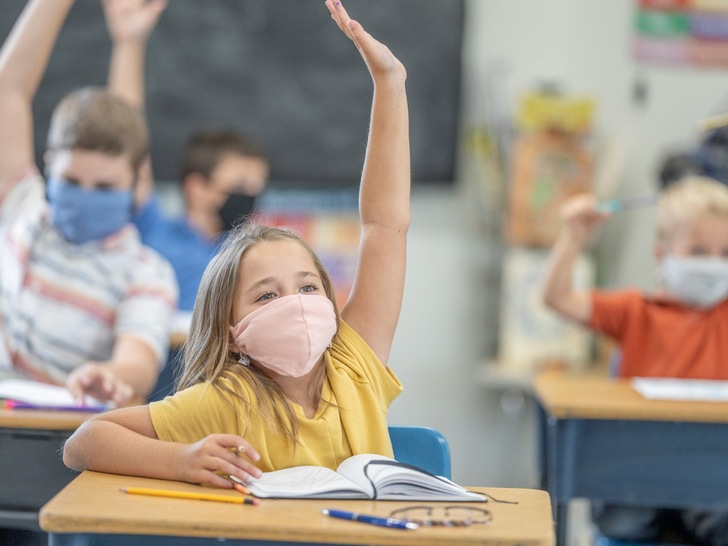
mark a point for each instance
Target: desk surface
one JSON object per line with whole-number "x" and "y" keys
{"x": 42, "y": 420}
{"x": 93, "y": 503}
{"x": 589, "y": 397}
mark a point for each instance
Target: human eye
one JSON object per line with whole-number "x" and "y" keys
{"x": 698, "y": 250}
{"x": 309, "y": 288}
{"x": 267, "y": 296}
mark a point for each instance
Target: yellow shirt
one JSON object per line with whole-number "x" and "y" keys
{"x": 359, "y": 386}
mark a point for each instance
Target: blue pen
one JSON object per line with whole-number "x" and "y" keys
{"x": 372, "y": 520}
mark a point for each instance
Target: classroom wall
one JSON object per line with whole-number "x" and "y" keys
{"x": 447, "y": 321}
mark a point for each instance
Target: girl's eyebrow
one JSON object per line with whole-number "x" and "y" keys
{"x": 270, "y": 280}
{"x": 262, "y": 282}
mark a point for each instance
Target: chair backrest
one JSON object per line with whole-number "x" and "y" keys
{"x": 424, "y": 447}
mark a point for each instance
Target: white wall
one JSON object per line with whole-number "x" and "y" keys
{"x": 448, "y": 309}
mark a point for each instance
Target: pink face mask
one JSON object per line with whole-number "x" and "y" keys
{"x": 287, "y": 335}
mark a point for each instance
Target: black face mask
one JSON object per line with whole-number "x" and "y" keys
{"x": 236, "y": 207}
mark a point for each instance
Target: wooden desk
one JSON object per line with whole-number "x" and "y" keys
{"x": 93, "y": 503}
{"x": 32, "y": 470}
{"x": 601, "y": 440}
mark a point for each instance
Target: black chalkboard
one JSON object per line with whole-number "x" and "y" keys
{"x": 279, "y": 70}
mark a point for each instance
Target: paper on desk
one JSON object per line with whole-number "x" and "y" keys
{"x": 664, "y": 388}
{"x": 42, "y": 394}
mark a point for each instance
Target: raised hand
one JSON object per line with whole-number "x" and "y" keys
{"x": 378, "y": 58}
{"x": 228, "y": 454}
{"x": 582, "y": 217}
{"x": 132, "y": 20}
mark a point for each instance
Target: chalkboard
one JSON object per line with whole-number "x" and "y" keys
{"x": 280, "y": 70}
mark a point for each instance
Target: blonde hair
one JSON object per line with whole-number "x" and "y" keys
{"x": 687, "y": 201}
{"x": 93, "y": 119}
{"x": 209, "y": 354}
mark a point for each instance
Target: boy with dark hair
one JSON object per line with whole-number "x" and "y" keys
{"x": 222, "y": 170}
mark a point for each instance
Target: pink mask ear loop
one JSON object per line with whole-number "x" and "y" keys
{"x": 242, "y": 358}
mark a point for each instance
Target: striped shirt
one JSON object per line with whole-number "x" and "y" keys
{"x": 62, "y": 304}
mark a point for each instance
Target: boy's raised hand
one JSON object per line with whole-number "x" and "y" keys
{"x": 582, "y": 217}
{"x": 132, "y": 20}
{"x": 379, "y": 59}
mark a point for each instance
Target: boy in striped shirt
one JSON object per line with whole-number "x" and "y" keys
{"x": 82, "y": 302}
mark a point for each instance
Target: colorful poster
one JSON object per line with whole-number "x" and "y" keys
{"x": 691, "y": 32}
{"x": 328, "y": 223}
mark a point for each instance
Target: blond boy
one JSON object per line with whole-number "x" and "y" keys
{"x": 679, "y": 331}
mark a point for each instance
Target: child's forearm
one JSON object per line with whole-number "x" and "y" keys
{"x": 28, "y": 48}
{"x": 126, "y": 71}
{"x": 558, "y": 289}
{"x": 23, "y": 60}
{"x": 106, "y": 446}
{"x": 385, "y": 188}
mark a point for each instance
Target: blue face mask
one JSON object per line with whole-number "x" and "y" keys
{"x": 87, "y": 215}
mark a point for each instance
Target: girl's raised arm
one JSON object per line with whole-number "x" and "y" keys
{"x": 376, "y": 297}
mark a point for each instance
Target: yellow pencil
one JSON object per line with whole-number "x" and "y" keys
{"x": 187, "y": 495}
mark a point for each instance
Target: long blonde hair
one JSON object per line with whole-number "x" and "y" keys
{"x": 209, "y": 354}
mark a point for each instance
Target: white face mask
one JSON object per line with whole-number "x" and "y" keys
{"x": 702, "y": 282}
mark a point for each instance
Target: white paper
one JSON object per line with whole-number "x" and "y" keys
{"x": 664, "y": 388}
{"x": 34, "y": 392}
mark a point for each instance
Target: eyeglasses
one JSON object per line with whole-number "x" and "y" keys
{"x": 444, "y": 516}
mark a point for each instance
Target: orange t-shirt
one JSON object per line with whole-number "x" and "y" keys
{"x": 663, "y": 338}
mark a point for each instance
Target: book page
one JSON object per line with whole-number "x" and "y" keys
{"x": 305, "y": 482}
{"x": 398, "y": 481}
{"x": 353, "y": 469}
{"x": 663, "y": 388}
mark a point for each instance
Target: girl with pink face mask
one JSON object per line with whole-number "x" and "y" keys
{"x": 274, "y": 375}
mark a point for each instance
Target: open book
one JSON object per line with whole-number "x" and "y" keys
{"x": 360, "y": 477}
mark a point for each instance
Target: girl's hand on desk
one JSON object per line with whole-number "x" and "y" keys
{"x": 219, "y": 453}
{"x": 95, "y": 379}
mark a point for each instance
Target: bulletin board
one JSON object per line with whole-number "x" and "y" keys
{"x": 682, "y": 32}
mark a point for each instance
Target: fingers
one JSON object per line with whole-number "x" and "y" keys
{"x": 340, "y": 15}
{"x": 93, "y": 379}
{"x": 73, "y": 384}
{"x": 226, "y": 454}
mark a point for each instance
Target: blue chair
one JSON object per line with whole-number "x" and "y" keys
{"x": 424, "y": 447}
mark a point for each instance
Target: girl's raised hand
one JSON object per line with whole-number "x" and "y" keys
{"x": 228, "y": 454}
{"x": 132, "y": 20}
{"x": 379, "y": 59}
